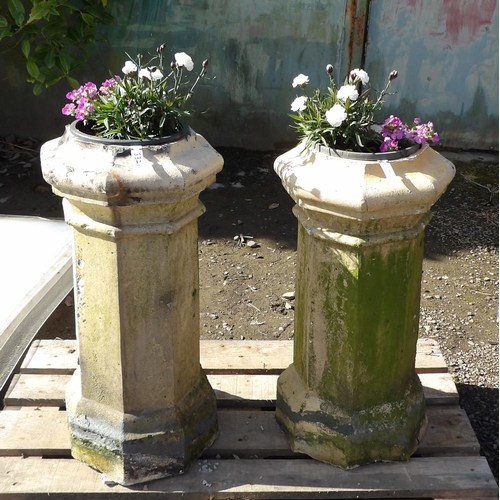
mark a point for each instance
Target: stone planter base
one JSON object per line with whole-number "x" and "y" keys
{"x": 130, "y": 448}
{"x": 348, "y": 438}
{"x": 139, "y": 406}
{"x": 351, "y": 396}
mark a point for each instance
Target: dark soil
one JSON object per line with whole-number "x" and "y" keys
{"x": 247, "y": 248}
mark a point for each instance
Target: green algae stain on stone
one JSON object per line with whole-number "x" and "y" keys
{"x": 369, "y": 311}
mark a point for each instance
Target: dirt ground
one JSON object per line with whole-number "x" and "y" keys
{"x": 247, "y": 249}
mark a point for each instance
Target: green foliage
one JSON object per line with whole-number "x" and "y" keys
{"x": 52, "y": 36}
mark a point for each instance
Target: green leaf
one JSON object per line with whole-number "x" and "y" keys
{"x": 41, "y": 9}
{"x": 63, "y": 62}
{"x": 16, "y": 10}
{"x": 89, "y": 20}
{"x": 50, "y": 59}
{"x": 52, "y": 80}
{"x": 25, "y": 47}
{"x": 3, "y": 22}
{"x": 73, "y": 82}
{"x": 30, "y": 29}
{"x": 37, "y": 88}
{"x": 75, "y": 65}
{"x": 32, "y": 68}
{"x": 68, "y": 6}
{"x": 42, "y": 48}
{"x": 4, "y": 32}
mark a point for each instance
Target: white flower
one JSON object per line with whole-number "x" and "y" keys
{"x": 361, "y": 74}
{"x": 299, "y": 104}
{"x": 152, "y": 74}
{"x": 129, "y": 67}
{"x": 347, "y": 92}
{"x": 156, "y": 75}
{"x": 184, "y": 61}
{"x": 300, "y": 80}
{"x": 336, "y": 115}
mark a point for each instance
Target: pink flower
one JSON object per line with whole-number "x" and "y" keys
{"x": 389, "y": 145}
{"x": 393, "y": 128}
{"x": 108, "y": 85}
{"x": 84, "y": 109}
{"x": 69, "y": 109}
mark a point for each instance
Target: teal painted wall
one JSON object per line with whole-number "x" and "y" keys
{"x": 255, "y": 48}
{"x": 446, "y": 52}
{"x": 447, "y": 60}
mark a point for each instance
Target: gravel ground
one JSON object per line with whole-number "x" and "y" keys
{"x": 459, "y": 305}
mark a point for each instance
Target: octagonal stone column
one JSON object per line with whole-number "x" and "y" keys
{"x": 139, "y": 405}
{"x": 351, "y": 395}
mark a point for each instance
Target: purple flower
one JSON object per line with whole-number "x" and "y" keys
{"x": 389, "y": 144}
{"x": 109, "y": 85}
{"x": 69, "y": 109}
{"x": 393, "y": 128}
{"x": 74, "y": 94}
{"x": 83, "y": 109}
{"x": 89, "y": 90}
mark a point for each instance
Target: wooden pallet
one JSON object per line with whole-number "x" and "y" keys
{"x": 251, "y": 458}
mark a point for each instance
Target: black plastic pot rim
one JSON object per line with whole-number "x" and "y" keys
{"x": 354, "y": 155}
{"x": 75, "y": 130}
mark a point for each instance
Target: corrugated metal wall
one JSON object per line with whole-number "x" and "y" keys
{"x": 446, "y": 52}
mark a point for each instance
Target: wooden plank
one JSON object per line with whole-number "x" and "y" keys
{"x": 448, "y": 432}
{"x": 429, "y": 358}
{"x": 246, "y": 357}
{"x": 439, "y": 389}
{"x": 272, "y": 357}
{"x": 231, "y": 390}
{"x": 244, "y": 433}
{"x": 34, "y": 432}
{"x": 225, "y": 357}
{"x": 255, "y": 391}
{"x": 256, "y": 479}
{"x": 260, "y": 390}
{"x": 51, "y": 357}
{"x": 37, "y": 390}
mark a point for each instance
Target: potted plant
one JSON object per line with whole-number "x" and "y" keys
{"x": 145, "y": 104}
{"x": 130, "y": 171}
{"x": 343, "y": 119}
{"x": 363, "y": 191}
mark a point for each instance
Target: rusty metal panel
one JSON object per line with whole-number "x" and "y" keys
{"x": 355, "y": 25}
{"x": 446, "y": 52}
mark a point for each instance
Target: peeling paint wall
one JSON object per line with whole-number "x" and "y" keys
{"x": 446, "y": 52}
